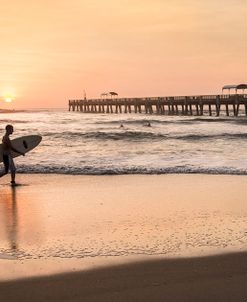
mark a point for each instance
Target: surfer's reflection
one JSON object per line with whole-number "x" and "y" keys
{"x": 11, "y": 216}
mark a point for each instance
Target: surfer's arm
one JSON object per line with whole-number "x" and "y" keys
{"x": 8, "y": 142}
{"x": 16, "y": 151}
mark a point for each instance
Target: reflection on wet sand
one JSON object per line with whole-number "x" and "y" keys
{"x": 10, "y": 219}
{"x": 20, "y": 229}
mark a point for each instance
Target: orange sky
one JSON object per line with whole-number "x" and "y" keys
{"x": 52, "y": 50}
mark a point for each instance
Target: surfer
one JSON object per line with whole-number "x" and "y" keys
{"x": 8, "y": 161}
{"x": 148, "y": 124}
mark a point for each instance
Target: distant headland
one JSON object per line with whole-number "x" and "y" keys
{"x": 10, "y": 110}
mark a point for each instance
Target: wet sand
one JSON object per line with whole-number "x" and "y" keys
{"x": 123, "y": 238}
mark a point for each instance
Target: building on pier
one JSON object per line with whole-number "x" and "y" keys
{"x": 234, "y": 87}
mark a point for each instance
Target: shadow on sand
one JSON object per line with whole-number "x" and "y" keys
{"x": 211, "y": 278}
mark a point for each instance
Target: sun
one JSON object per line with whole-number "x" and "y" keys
{"x": 8, "y": 99}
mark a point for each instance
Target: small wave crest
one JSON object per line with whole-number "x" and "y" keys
{"x": 94, "y": 170}
{"x": 140, "y": 135}
{"x": 174, "y": 120}
{"x": 13, "y": 121}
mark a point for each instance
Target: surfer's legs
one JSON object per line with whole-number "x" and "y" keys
{"x": 9, "y": 165}
{"x": 6, "y": 165}
{"x": 12, "y": 169}
{"x": 13, "y": 177}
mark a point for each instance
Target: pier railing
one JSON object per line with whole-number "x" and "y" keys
{"x": 172, "y": 105}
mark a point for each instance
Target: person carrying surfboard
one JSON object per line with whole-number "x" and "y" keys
{"x": 8, "y": 161}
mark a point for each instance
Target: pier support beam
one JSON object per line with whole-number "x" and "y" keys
{"x": 210, "y": 109}
{"x": 227, "y": 110}
{"x": 191, "y": 109}
{"x": 197, "y": 109}
{"x": 217, "y": 110}
{"x": 217, "y": 105}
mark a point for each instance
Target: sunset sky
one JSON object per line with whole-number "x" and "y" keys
{"x": 52, "y": 50}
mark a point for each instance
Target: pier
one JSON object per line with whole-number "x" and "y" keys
{"x": 212, "y": 105}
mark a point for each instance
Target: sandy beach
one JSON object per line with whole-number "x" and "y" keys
{"x": 123, "y": 238}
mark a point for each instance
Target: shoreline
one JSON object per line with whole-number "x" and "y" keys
{"x": 30, "y": 174}
{"x": 151, "y": 173}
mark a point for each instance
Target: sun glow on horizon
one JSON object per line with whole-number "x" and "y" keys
{"x": 8, "y": 96}
{"x": 8, "y": 100}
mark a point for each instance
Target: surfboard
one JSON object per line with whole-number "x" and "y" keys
{"x": 23, "y": 144}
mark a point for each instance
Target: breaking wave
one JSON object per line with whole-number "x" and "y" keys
{"x": 94, "y": 170}
{"x": 141, "y": 135}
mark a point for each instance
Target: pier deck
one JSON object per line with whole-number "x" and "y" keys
{"x": 229, "y": 105}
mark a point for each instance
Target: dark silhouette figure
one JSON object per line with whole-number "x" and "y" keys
{"x": 8, "y": 161}
{"x": 148, "y": 124}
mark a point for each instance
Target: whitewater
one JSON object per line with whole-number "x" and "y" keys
{"x": 98, "y": 144}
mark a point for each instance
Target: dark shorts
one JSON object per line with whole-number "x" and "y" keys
{"x": 9, "y": 164}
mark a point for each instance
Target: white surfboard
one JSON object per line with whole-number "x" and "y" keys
{"x": 23, "y": 144}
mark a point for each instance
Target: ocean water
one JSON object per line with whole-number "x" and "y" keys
{"x": 95, "y": 144}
